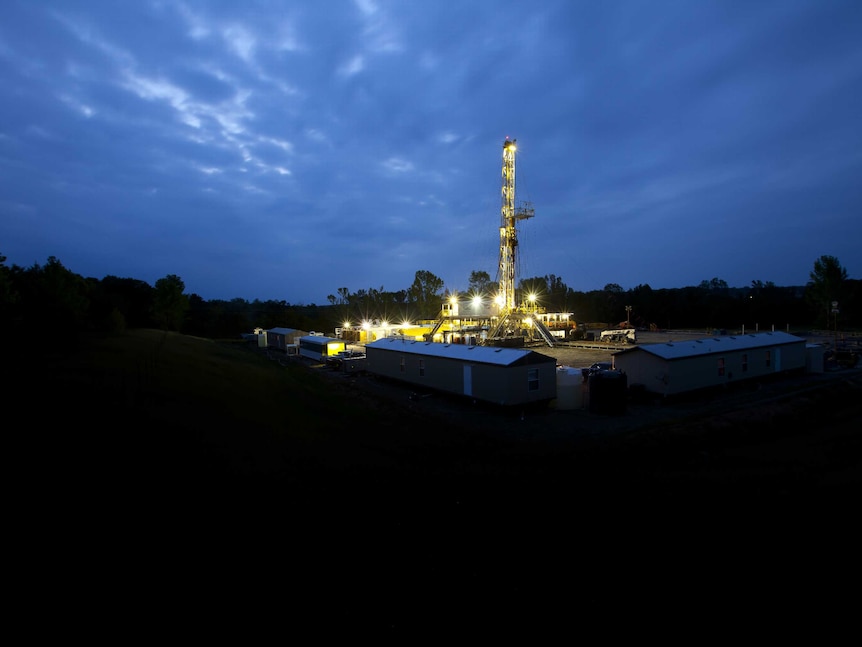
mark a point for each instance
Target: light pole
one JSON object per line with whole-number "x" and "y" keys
{"x": 628, "y": 310}
{"x": 835, "y": 324}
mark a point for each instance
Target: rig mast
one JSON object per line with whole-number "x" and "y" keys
{"x": 511, "y": 323}
{"x": 508, "y": 231}
{"x": 512, "y": 318}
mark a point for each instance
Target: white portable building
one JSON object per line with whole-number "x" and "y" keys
{"x": 505, "y": 376}
{"x": 676, "y": 367}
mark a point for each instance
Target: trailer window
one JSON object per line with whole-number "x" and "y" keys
{"x": 720, "y": 367}
{"x": 745, "y": 362}
{"x": 768, "y": 359}
{"x": 403, "y": 364}
{"x": 421, "y": 368}
{"x": 533, "y": 379}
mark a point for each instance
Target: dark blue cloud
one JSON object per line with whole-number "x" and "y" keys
{"x": 284, "y": 150}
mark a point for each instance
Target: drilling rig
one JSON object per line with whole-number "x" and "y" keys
{"x": 511, "y": 318}
{"x": 508, "y": 323}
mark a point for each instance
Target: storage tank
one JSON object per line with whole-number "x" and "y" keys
{"x": 815, "y": 358}
{"x": 570, "y": 388}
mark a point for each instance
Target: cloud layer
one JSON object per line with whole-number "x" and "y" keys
{"x": 281, "y": 150}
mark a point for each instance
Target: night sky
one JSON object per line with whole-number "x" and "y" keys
{"x": 284, "y": 150}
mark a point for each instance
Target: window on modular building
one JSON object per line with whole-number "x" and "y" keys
{"x": 533, "y": 379}
{"x": 720, "y": 367}
{"x": 745, "y": 362}
{"x": 421, "y": 368}
{"x": 768, "y": 358}
{"x": 403, "y": 364}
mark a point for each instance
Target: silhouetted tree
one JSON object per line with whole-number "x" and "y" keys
{"x": 826, "y": 284}
{"x": 713, "y": 284}
{"x": 613, "y": 304}
{"x": 170, "y": 305}
{"x": 132, "y": 299}
{"x": 426, "y": 294}
{"x": 536, "y": 286}
{"x": 556, "y": 300}
{"x": 480, "y": 283}
{"x": 8, "y": 297}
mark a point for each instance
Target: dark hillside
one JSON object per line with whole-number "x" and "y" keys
{"x": 208, "y": 416}
{"x": 184, "y": 451}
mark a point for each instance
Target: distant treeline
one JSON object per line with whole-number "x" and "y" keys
{"x": 53, "y": 305}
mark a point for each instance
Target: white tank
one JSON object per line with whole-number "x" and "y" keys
{"x": 570, "y": 388}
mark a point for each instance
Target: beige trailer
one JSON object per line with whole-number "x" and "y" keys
{"x": 504, "y": 376}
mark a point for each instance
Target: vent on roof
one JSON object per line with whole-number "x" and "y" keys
{"x": 699, "y": 341}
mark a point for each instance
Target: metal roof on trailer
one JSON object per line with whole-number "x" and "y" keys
{"x": 282, "y": 331}
{"x": 711, "y": 345}
{"x": 321, "y": 339}
{"x": 482, "y": 354}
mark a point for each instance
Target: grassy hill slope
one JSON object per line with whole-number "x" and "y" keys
{"x": 185, "y": 464}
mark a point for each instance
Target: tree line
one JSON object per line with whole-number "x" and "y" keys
{"x": 52, "y": 303}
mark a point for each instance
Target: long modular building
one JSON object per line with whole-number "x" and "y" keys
{"x": 318, "y": 347}
{"x": 504, "y": 376}
{"x": 280, "y": 338}
{"x": 676, "y": 367}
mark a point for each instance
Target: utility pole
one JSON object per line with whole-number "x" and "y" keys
{"x": 628, "y": 311}
{"x": 835, "y": 314}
